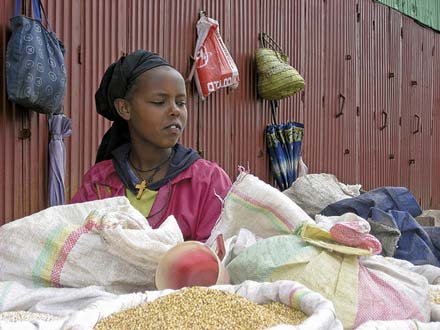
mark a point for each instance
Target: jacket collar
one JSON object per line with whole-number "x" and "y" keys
{"x": 182, "y": 159}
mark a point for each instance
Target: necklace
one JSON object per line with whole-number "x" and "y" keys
{"x": 153, "y": 168}
{"x": 146, "y": 182}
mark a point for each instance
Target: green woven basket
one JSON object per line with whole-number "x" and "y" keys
{"x": 276, "y": 78}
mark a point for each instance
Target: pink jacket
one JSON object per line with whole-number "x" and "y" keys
{"x": 191, "y": 196}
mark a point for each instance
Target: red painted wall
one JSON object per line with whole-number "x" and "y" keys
{"x": 384, "y": 65}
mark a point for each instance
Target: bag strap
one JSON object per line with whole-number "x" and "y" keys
{"x": 17, "y": 7}
{"x": 266, "y": 41}
{"x": 35, "y": 8}
{"x": 273, "y": 108}
{"x": 40, "y": 5}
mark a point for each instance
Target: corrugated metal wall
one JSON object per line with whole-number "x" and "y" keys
{"x": 371, "y": 106}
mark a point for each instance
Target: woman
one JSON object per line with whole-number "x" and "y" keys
{"x": 140, "y": 156}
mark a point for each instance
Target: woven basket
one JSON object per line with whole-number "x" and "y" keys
{"x": 277, "y": 79}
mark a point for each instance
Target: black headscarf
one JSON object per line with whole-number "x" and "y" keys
{"x": 117, "y": 80}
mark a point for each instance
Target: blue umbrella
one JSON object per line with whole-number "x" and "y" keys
{"x": 284, "y": 147}
{"x": 59, "y": 127}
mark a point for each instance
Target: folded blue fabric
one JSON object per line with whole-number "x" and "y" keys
{"x": 384, "y": 198}
{"x": 414, "y": 244}
{"x": 395, "y": 207}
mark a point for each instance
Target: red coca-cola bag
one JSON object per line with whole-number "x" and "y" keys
{"x": 214, "y": 66}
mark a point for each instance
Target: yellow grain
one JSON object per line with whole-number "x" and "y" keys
{"x": 202, "y": 308}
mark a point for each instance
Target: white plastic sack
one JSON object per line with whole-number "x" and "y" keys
{"x": 320, "y": 311}
{"x": 254, "y": 205}
{"x": 55, "y": 301}
{"x": 399, "y": 325}
{"x": 414, "y": 286}
{"x": 32, "y": 325}
{"x": 328, "y": 222}
{"x": 59, "y": 302}
{"x": 302, "y": 168}
{"x": 430, "y": 272}
{"x": 106, "y": 243}
{"x": 314, "y": 192}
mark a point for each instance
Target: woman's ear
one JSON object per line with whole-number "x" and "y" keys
{"x": 123, "y": 108}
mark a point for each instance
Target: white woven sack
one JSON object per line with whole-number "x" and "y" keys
{"x": 314, "y": 192}
{"x": 414, "y": 286}
{"x": 15, "y": 296}
{"x": 320, "y": 311}
{"x": 254, "y": 205}
{"x": 399, "y": 325}
{"x": 32, "y": 325}
{"x": 58, "y": 302}
{"x": 106, "y": 243}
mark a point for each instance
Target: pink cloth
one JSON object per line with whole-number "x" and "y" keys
{"x": 190, "y": 197}
{"x": 351, "y": 234}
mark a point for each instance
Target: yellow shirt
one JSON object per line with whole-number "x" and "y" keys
{"x": 144, "y": 204}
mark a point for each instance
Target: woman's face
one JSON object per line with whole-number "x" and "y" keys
{"x": 157, "y": 108}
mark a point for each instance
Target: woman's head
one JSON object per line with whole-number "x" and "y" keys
{"x": 154, "y": 107}
{"x": 137, "y": 83}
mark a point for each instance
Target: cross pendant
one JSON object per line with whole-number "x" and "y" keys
{"x": 141, "y": 187}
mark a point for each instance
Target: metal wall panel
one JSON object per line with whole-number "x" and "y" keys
{"x": 381, "y": 111}
{"x": 246, "y": 117}
{"x": 314, "y": 100}
{"x": 333, "y": 83}
{"x": 435, "y": 128}
{"x": 413, "y": 116}
{"x": 367, "y": 92}
{"x": 394, "y": 97}
{"x": 406, "y": 112}
{"x": 358, "y": 58}
{"x": 350, "y": 147}
{"x": 426, "y": 112}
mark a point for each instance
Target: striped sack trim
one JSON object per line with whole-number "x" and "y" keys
{"x": 267, "y": 211}
{"x": 59, "y": 243}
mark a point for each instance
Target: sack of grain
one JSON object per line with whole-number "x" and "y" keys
{"x": 361, "y": 288}
{"x": 105, "y": 242}
{"x": 254, "y": 205}
{"x": 314, "y": 192}
{"x": 178, "y": 313}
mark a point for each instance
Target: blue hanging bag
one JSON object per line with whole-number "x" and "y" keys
{"x": 35, "y": 70}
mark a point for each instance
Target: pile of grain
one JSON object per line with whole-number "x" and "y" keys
{"x": 435, "y": 296}
{"x": 202, "y": 308}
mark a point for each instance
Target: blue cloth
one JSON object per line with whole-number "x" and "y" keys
{"x": 284, "y": 147}
{"x": 434, "y": 235}
{"x": 395, "y": 207}
{"x": 385, "y": 198}
{"x": 414, "y": 244}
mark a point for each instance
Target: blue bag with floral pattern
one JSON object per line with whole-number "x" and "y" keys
{"x": 35, "y": 70}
